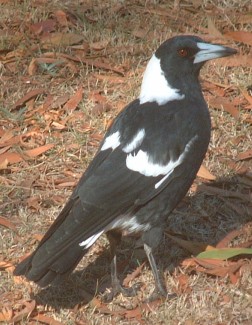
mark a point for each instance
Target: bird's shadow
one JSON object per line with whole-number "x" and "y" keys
{"x": 205, "y": 216}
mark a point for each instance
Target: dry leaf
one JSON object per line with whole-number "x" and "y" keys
{"x": 60, "y": 39}
{"x": 24, "y": 313}
{"x": 46, "y": 319}
{"x": 3, "y": 163}
{"x": 224, "y": 103}
{"x": 240, "y": 36}
{"x": 245, "y": 155}
{"x": 10, "y": 158}
{"x": 39, "y": 150}
{"x": 5, "y": 265}
{"x": 7, "y": 223}
{"x": 45, "y": 26}
{"x": 98, "y": 46}
{"x": 7, "y": 135}
{"x": 130, "y": 277}
{"x": 111, "y": 79}
{"x": 61, "y": 17}
{"x": 13, "y": 157}
{"x": 74, "y": 101}
{"x": 31, "y": 94}
{"x": 228, "y": 238}
{"x": 204, "y": 173}
{"x": 6, "y": 314}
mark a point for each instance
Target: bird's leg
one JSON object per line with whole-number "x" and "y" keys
{"x": 151, "y": 240}
{"x": 114, "y": 238}
{"x": 159, "y": 290}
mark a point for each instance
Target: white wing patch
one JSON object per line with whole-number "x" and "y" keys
{"x": 141, "y": 163}
{"x": 136, "y": 142}
{"x": 155, "y": 87}
{"x": 89, "y": 242}
{"x": 112, "y": 141}
{"x": 128, "y": 223}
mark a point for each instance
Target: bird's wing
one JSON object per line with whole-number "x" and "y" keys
{"x": 140, "y": 154}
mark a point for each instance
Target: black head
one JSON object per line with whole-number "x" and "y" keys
{"x": 173, "y": 70}
{"x": 183, "y": 55}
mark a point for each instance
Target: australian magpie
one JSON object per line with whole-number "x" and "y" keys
{"x": 145, "y": 165}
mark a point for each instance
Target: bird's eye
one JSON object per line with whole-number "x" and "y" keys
{"x": 182, "y": 52}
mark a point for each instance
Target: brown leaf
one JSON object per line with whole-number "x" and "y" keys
{"x": 98, "y": 46}
{"x": 143, "y": 308}
{"x": 209, "y": 263}
{"x": 245, "y": 155}
{"x": 228, "y": 238}
{"x": 74, "y": 101}
{"x": 204, "y": 173}
{"x": 45, "y": 26}
{"x": 3, "y": 163}
{"x": 38, "y": 237}
{"x": 6, "y": 314}
{"x": 29, "y": 306}
{"x": 60, "y": 39}
{"x": 7, "y": 223}
{"x": 46, "y": 319}
{"x": 240, "y": 36}
{"x": 13, "y": 157}
{"x": 39, "y": 150}
{"x": 183, "y": 284}
{"x": 31, "y": 94}
{"x": 60, "y": 101}
{"x": 102, "y": 65}
{"x": 61, "y": 17}
{"x": 6, "y": 136}
{"x": 236, "y": 61}
{"x": 10, "y": 158}
{"x": 108, "y": 78}
{"x": 224, "y": 103}
{"x": 130, "y": 277}
{"x": 5, "y": 265}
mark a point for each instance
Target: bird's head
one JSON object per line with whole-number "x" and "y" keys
{"x": 176, "y": 64}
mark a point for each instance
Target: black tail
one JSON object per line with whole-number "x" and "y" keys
{"x": 54, "y": 273}
{"x": 59, "y": 251}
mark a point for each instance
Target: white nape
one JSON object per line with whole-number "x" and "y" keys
{"x": 112, "y": 141}
{"x": 155, "y": 87}
{"x": 89, "y": 242}
{"x": 136, "y": 141}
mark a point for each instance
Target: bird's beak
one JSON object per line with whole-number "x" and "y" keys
{"x": 211, "y": 51}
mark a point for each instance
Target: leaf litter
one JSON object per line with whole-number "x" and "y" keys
{"x": 61, "y": 88}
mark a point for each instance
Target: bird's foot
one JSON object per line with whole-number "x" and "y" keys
{"x": 160, "y": 294}
{"x": 126, "y": 292}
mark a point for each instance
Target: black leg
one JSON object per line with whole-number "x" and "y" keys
{"x": 160, "y": 290}
{"x": 114, "y": 238}
{"x": 151, "y": 240}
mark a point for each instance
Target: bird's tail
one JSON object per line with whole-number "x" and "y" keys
{"x": 54, "y": 273}
{"x": 59, "y": 251}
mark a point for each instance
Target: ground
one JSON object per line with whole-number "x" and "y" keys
{"x": 66, "y": 69}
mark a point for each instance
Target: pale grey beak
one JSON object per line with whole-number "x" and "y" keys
{"x": 209, "y": 51}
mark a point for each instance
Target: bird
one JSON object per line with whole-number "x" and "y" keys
{"x": 144, "y": 166}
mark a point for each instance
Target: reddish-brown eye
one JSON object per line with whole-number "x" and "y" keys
{"x": 182, "y": 52}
